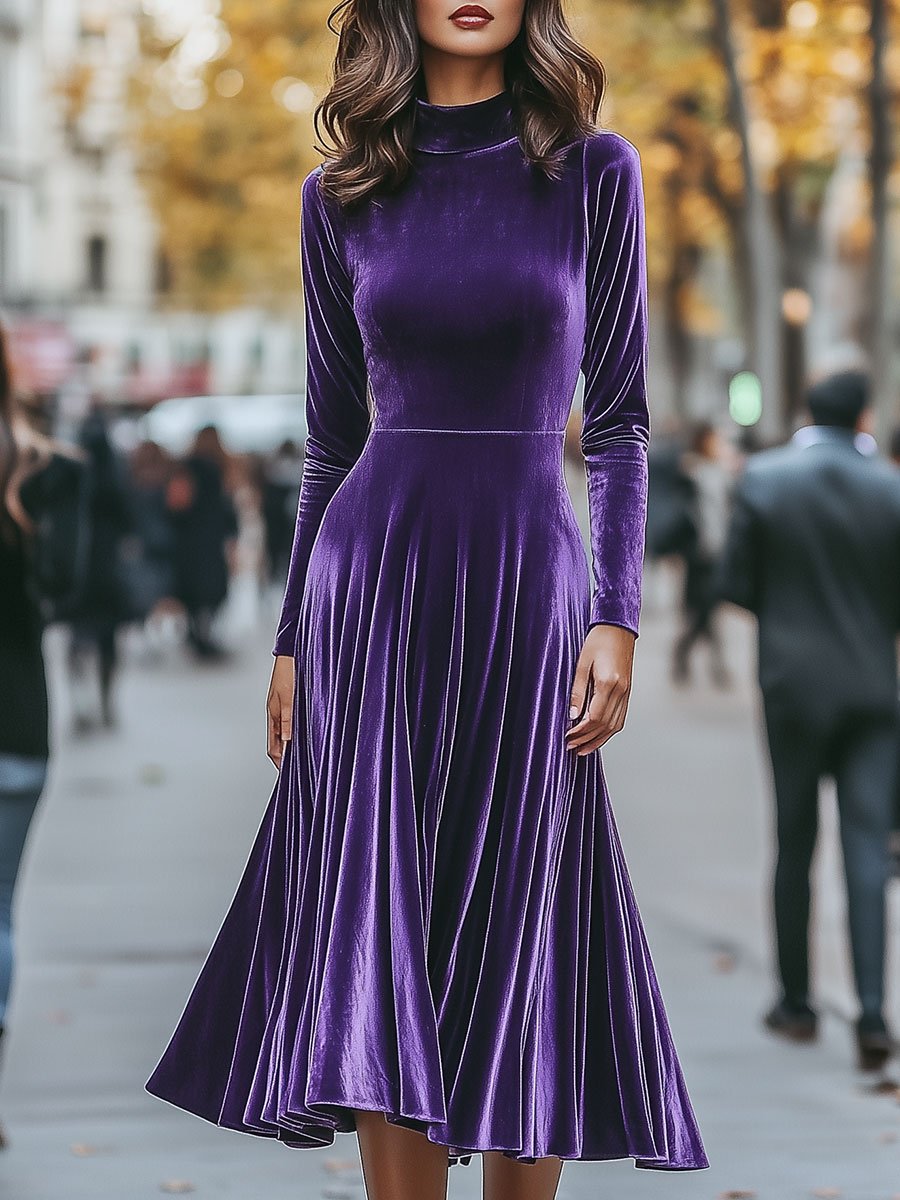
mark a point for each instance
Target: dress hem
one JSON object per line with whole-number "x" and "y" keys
{"x": 311, "y": 1138}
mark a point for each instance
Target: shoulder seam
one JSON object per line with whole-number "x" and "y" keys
{"x": 612, "y": 137}
{"x": 336, "y": 229}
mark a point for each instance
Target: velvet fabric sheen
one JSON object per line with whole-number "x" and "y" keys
{"x": 436, "y": 919}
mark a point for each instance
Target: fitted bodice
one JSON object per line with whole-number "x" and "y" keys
{"x": 466, "y": 302}
{"x": 469, "y": 284}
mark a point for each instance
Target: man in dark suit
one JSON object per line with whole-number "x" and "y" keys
{"x": 814, "y": 552}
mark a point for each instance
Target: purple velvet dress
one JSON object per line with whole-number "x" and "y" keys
{"x": 436, "y": 919}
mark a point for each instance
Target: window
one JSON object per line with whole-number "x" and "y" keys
{"x": 163, "y": 273}
{"x": 6, "y": 74}
{"x": 96, "y": 263}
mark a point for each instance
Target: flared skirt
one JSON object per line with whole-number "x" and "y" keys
{"x": 436, "y": 918}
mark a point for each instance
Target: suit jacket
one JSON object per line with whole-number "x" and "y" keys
{"x": 813, "y": 550}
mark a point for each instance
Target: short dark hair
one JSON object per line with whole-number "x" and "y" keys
{"x": 839, "y": 399}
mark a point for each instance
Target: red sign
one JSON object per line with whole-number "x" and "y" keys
{"x": 148, "y": 385}
{"x": 42, "y": 354}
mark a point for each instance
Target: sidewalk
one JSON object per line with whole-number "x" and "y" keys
{"x": 141, "y": 839}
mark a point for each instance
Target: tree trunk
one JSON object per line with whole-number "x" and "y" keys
{"x": 762, "y": 257}
{"x": 879, "y": 264}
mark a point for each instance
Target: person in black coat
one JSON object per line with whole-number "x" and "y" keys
{"x": 150, "y": 470}
{"x": 205, "y": 524}
{"x": 895, "y": 835}
{"x": 813, "y": 550}
{"x": 106, "y": 601}
{"x": 38, "y": 482}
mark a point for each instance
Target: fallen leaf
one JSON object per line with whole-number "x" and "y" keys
{"x": 177, "y": 1187}
{"x": 887, "y": 1136}
{"x": 340, "y": 1164}
{"x": 826, "y": 1193}
{"x": 737, "y": 1194}
{"x": 724, "y": 963}
{"x": 84, "y": 1149}
{"x": 885, "y": 1087}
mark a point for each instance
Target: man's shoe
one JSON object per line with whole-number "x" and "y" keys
{"x": 874, "y": 1045}
{"x": 796, "y": 1022}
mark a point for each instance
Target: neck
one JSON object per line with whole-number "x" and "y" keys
{"x": 450, "y": 79}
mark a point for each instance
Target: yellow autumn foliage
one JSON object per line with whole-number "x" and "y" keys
{"x": 223, "y": 153}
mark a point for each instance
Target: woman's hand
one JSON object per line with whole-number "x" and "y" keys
{"x": 603, "y": 673}
{"x": 280, "y": 707}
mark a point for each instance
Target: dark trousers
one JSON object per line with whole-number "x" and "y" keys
{"x": 861, "y": 753}
{"x": 699, "y": 602}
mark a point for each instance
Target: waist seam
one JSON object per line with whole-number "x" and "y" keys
{"x": 476, "y": 432}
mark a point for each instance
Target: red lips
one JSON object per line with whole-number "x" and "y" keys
{"x": 471, "y": 16}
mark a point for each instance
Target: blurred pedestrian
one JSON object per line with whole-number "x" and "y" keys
{"x": 40, "y": 563}
{"x": 280, "y": 488}
{"x": 151, "y": 470}
{"x": 895, "y": 833}
{"x": 671, "y": 524}
{"x": 206, "y": 527}
{"x": 814, "y": 551}
{"x": 709, "y": 481}
{"x": 108, "y": 599}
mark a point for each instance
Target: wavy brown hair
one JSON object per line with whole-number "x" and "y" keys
{"x": 22, "y": 450}
{"x": 9, "y": 447}
{"x": 556, "y": 86}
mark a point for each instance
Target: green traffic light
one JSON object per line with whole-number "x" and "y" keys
{"x": 745, "y": 398}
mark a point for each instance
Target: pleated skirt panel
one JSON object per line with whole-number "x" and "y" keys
{"x": 436, "y": 918}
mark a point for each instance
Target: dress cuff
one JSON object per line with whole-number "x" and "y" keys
{"x": 614, "y": 610}
{"x": 284, "y": 644}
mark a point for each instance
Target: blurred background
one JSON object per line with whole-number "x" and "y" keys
{"x": 150, "y": 159}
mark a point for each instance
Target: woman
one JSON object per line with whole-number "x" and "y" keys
{"x": 205, "y": 523}
{"x": 706, "y": 471}
{"x": 35, "y": 480}
{"x": 150, "y": 469}
{"x": 435, "y": 942}
{"x": 109, "y": 598}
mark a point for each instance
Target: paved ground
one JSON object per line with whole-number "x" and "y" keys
{"x": 143, "y": 834}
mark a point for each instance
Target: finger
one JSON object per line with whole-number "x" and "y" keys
{"x": 592, "y": 746}
{"x": 608, "y": 730}
{"x": 605, "y": 717}
{"x": 609, "y": 694}
{"x": 615, "y": 694}
{"x": 273, "y": 741}
{"x": 578, "y": 695}
{"x": 590, "y": 724}
{"x": 285, "y": 725}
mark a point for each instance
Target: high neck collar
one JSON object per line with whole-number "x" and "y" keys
{"x": 451, "y": 128}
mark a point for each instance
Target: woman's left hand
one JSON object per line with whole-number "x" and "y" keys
{"x": 603, "y": 673}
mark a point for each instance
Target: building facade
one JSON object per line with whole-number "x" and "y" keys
{"x": 19, "y": 73}
{"x": 82, "y": 282}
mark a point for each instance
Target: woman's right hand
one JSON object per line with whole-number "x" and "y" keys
{"x": 280, "y": 707}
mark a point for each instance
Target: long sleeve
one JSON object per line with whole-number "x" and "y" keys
{"x": 616, "y": 427}
{"x": 337, "y": 413}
